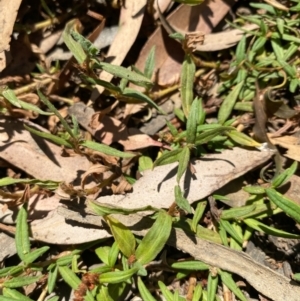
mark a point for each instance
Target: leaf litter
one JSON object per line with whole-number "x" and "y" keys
{"x": 94, "y": 154}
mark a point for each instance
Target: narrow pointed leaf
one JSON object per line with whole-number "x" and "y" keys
{"x": 144, "y": 292}
{"x": 48, "y": 136}
{"x": 12, "y": 294}
{"x": 22, "y": 234}
{"x": 198, "y": 214}
{"x": 105, "y": 149}
{"x": 193, "y": 121}
{"x": 168, "y": 157}
{"x": 229, "y": 282}
{"x": 150, "y": 63}
{"x": 69, "y": 277}
{"x": 210, "y": 134}
{"x": 21, "y": 281}
{"x": 33, "y": 255}
{"x": 242, "y": 139}
{"x": 117, "y": 276}
{"x": 141, "y": 97}
{"x": 283, "y": 177}
{"x": 52, "y": 108}
{"x": 229, "y": 102}
{"x": 122, "y": 72}
{"x": 258, "y": 226}
{"x": 73, "y": 45}
{"x": 155, "y": 239}
{"x": 187, "y": 83}
{"x": 230, "y": 230}
{"x": 288, "y": 206}
{"x": 194, "y": 265}
{"x": 212, "y": 285}
{"x": 184, "y": 159}
{"x": 113, "y": 254}
{"x": 122, "y": 235}
{"x": 181, "y": 201}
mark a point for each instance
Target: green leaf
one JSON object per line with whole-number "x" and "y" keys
{"x": 229, "y": 102}
{"x": 108, "y": 86}
{"x": 113, "y": 254}
{"x": 198, "y": 214}
{"x": 103, "y": 253}
{"x": 187, "y": 83}
{"x": 240, "y": 53}
{"x": 282, "y": 178}
{"x": 177, "y": 36}
{"x": 287, "y": 205}
{"x": 105, "y": 149}
{"x": 197, "y": 292}
{"x": 11, "y": 294}
{"x": 193, "y": 265}
{"x": 144, "y": 292}
{"x": 122, "y": 235}
{"x": 210, "y": 134}
{"x": 52, "y": 108}
{"x": 242, "y": 139}
{"x": 53, "y": 138}
{"x": 184, "y": 159}
{"x": 168, "y": 157}
{"x": 296, "y": 277}
{"x": 145, "y": 163}
{"x": 230, "y": 230}
{"x": 65, "y": 260}
{"x": 254, "y": 189}
{"x": 69, "y": 277}
{"x": 122, "y": 72}
{"x": 277, "y": 48}
{"x": 237, "y": 212}
{"x": 280, "y": 25}
{"x": 155, "y": 239}
{"x": 135, "y": 94}
{"x": 212, "y": 284}
{"x": 21, "y": 281}
{"x": 87, "y": 45}
{"x": 181, "y": 201}
{"x": 117, "y": 276}
{"x": 52, "y": 277}
{"x": 33, "y": 255}
{"x": 104, "y": 294}
{"x": 12, "y": 98}
{"x": 229, "y": 282}
{"x": 9, "y": 181}
{"x": 22, "y": 234}
{"x": 10, "y": 271}
{"x": 193, "y": 120}
{"x": 150, "y": 63}
{"x": 259, "y": 43}
{"x": 73, "y": 46}
{"x": 258, "y": 226}
{"x": 164, "y": 290}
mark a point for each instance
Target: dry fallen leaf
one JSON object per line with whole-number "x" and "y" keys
{"x": 130, "y": 22}
{"x": 156, "y": 188}
{"x": 112, "y": 130}
{"x": 291, "y": 143}
{"x": 8, "y": 15}
{"x": 36, "y": 156}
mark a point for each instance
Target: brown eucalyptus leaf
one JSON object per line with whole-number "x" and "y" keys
{"x": 36, "y": 156}
{"x": 156, "y": 188}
